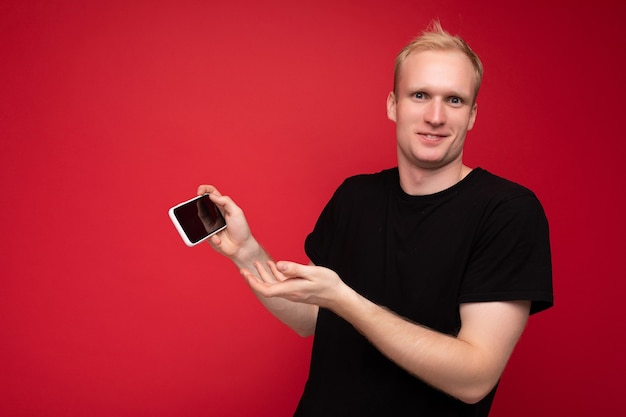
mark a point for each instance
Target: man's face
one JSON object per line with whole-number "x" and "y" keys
{"x": 433, "y": 107}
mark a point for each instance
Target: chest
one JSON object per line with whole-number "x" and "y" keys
{"x": 410, "y": 258}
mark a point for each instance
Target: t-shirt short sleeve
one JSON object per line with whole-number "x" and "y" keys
{"x": 511, "y": 258}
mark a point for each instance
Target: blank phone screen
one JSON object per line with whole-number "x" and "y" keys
{"x": 199, "y": 218}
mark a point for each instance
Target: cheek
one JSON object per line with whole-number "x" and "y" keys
{"x": 407, "y": 115}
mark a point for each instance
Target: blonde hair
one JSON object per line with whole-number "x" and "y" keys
{"x": 435, "y": 38}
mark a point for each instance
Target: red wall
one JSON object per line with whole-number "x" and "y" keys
{"x": 112, "y": 113}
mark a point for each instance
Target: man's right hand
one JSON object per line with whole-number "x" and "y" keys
{"x": 236, "y": 241}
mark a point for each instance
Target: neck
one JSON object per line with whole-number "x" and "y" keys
{"x": 418, "y": 181}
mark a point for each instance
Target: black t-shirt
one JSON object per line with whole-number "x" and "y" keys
{"x": 484, "y": 239}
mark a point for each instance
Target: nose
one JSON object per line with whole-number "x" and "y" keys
{"x": 435, "y": 113}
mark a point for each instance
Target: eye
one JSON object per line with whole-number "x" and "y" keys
{"x": 419, "y": 95}
{"x": 456, "y": 101}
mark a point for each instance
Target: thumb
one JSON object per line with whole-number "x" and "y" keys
{"x": 290, "y": 269}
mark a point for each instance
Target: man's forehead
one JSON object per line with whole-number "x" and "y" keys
{"x": 438, "y": 68}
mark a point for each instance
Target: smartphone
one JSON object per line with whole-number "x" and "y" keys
{"x": 197, "y": 219}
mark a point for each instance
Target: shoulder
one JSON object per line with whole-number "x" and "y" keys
{"x": 362, "y": 192}
{"x": 497, "y": 185}
{"x": 496, "y": 190}
{"x": 509, "y": 213}
{"x": 369, "y": 184}
{"x": 502, "y": 207}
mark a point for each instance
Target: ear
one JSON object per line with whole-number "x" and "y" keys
{"x": 391, "y": 106}
{"x": 472, "y": 118}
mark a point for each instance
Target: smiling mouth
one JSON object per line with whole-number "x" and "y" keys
{"x": 431, "y": 136}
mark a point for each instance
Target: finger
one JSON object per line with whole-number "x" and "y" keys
{"x": 265, "y": 275}
{"x": 215, "y": 240}
{"x": 221, "y": 200}
{"x": 252, "y": 280}
{"x": 277, "y": 274}
{"x": 292, "y": 269}
{"x": 207, "y": 189}
{"x": 225, "y": 204}
{"x": 266, "y": 289}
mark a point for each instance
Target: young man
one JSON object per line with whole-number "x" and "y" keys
{"x": 422, "y": 276}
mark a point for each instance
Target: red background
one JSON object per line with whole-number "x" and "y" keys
{"x": 111, "y": 113}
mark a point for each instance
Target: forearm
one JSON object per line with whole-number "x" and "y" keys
{"x": 301, "y": 318}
